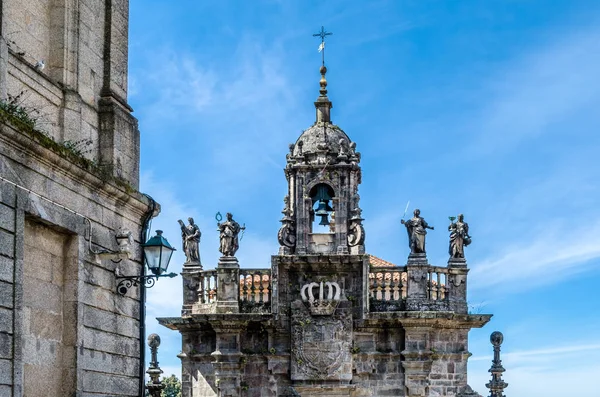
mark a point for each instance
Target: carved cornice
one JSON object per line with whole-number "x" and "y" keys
{"x": 440, "y": 320}
{"x": 216, "y": 320}
{"x": 34, "y": 153}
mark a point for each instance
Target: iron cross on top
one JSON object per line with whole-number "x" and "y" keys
{"x": 322, "y": 34}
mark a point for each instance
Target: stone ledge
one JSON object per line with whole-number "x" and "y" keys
{"x": 434, "y": 319}
{"x": 50, "y": 160}
{"x": 195, "y": 321}
{"x": 331, "y": 259}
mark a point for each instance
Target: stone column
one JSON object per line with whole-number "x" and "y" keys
{"x": 416, "y": 269}
{"x": 227, "y": 364}
{"x": 341, "y": 219}
{"x": 457, "y": 285}
{"x": 228, "y": 285}
{"x": 417, "y": 361}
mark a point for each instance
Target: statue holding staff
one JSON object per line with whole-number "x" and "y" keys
{"x": 459, "y": 237}
{"x": 416, "y": 228}
{"x": 190, "y": 236}
{"x": 228, "y": 233}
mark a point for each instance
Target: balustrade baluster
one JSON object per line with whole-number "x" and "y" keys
{"x": 398, "y": 293}
{"x": 213, "y": 290}
{"x": 385, "y": 287}
{"x": 252, "y": 288}
{"x": 201, "y": 289}
{"x": 261, "y": 297}
{"x": 393, "y": 287}
{"x": 208, "y": 287}
{"x": 244, "y": 286}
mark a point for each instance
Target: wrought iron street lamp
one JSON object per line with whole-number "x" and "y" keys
{"x": 157, "y": 255}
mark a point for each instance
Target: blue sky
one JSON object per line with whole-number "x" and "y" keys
{"x": 489, "y": 108}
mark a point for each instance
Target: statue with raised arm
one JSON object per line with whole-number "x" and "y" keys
{"x": 190, "y": 236}
{"x": 228, "y": 233}
{"x": 459, "y": 237}
{"x": 416, "y": 228}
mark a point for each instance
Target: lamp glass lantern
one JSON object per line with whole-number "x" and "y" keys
{"x": 157, "y": 252}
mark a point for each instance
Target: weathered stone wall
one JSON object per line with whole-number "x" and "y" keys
{"x": 80, "y": 96}
{"x": 49, "y": 316}
{"x": 57, "y": 294}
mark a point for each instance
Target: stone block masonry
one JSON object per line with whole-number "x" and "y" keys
{"x": 64, "y": 330}
{"x": 80, "y": 96}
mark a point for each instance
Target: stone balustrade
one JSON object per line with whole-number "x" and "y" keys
{"x": 390, "y": 288}
{"x": 388, "y": 283}
{"x": 437, "y": 283}
{"x": 255, "y": 290}
{"x": 207, "y": 288}
{"x": 401, "y": 288}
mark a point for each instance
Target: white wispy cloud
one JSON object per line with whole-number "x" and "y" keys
{"x": 182, "y": 85}
{"x": 553, "y": 371}
{"x": 241, "y": 108}
{"x": 537, "y": 354}
{"x": 529, "y": 95}
{"x": 560, "y": 251}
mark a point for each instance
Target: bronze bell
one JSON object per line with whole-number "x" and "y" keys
{"x": 323, "y": 212}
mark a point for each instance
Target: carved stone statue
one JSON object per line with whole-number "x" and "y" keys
{"x": 228, "y": 233}
{"x": 459, "y": 237}
{"x": 416, "y": 228}
{"x": 190, "y": 236}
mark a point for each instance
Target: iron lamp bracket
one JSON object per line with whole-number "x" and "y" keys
{"x": 126, "y": 282}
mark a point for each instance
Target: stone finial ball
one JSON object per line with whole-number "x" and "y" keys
{"x": 496, "y": 338}
{"x": 153, "y": 340}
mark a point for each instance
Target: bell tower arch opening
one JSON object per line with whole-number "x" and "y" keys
{"x": 322, "y": 209}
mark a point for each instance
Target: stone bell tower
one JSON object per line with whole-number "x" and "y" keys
{"x": 323, "y": 177}
{"x": 326, "y": 319}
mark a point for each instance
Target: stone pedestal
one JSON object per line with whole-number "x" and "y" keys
{"x": 416, "y": 269}
{"x": 192, "y": 266}
{"x": 457, "y": 283}
{"x": 190, "y": 277}
{"x": 228, "y": 285}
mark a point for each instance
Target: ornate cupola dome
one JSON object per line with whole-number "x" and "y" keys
{"x": 322, "y": 213}
{"x": 324, "y": 142}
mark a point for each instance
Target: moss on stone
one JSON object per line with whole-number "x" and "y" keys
{"x": 18, "y": 118}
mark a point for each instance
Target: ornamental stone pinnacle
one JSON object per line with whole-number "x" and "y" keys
{"x": 496, "y": 385}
